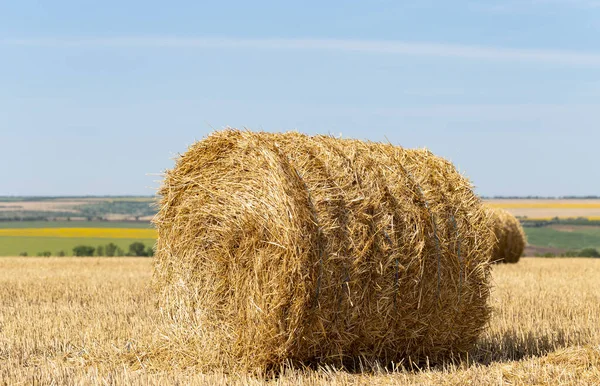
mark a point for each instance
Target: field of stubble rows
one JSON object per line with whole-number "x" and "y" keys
{"x": 94, "y": 321}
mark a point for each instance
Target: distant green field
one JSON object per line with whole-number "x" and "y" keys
{"x": 576, "y": 238}
{"x": 74, "y": 224}
{"x": 13, "y": 246}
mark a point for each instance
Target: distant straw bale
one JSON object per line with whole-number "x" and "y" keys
{"x": 510, "y": 238}
{"x": 285, "y": 248}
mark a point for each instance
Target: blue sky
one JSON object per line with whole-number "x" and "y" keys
{"x": 99, "y": 97}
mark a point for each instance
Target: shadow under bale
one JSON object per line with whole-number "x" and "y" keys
{"x": 285, "y": 248}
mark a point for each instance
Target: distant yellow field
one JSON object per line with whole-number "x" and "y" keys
{"x": 109, "y": 233}
{"x": 557, "y": 205}
{"x": 545, "y": 209}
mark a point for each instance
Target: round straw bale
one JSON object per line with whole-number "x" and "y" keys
{"x": 510, "y": 237}
{"x": 279, "y": 248}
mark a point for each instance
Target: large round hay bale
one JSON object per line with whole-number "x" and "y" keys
{"x": 278, "y": 248}
{"x": 510, "y": 237}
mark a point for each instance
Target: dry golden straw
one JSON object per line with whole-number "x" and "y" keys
{"x": 510, "y": 238}
{"x": 285, "y": 248}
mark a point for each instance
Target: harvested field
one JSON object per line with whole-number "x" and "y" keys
{"x": 46, "y": 206}
{"x": 76, "y": 208}
{"x": 93, "y": 321}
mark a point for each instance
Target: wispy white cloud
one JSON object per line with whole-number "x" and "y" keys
{"x": 561, "y": 57}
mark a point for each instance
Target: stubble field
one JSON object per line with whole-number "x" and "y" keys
{"x": 94, "y": 321}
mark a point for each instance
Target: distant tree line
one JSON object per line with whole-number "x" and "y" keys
{"x": 31, "y": 215}
{"x": 108, "y": 250}
{"x": 111, "y": 250}
{"x": 556, "y": 221}
{"x": 586, "y": 252}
